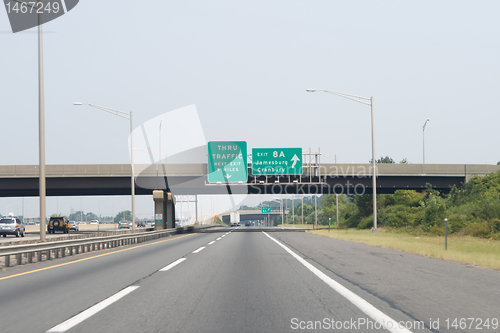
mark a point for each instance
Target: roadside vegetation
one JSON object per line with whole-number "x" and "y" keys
{"x": 463, "y": 249}
{"x": 217, "y": 220}
{"x": 472, "y": 209}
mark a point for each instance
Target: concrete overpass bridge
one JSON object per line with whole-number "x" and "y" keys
{"x": 114, "y": 179}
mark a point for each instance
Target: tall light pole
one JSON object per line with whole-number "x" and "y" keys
{"x": 337, "y": 208}
{"x": 100, "y": 212}
{"x": 128, "y": 116}
{"x": 282, "y": 212}
{"x": 302, "y": 210}
{"x": 41, "y": 125}
{"x": 366, "y": 101}
{"x": 423, "y": 138}
{"x": 315, "y": 211}
{"x": 159, "y": 138}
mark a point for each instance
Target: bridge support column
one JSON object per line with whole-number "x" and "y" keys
{"x": 164, "y": 210}
{"x": 158, "y": 199}
{"x": 169, "y": 209}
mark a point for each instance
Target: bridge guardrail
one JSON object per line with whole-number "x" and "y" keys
{"x": 61, "y": 249}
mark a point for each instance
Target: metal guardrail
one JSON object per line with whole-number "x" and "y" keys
{"x": 60, "y": 249}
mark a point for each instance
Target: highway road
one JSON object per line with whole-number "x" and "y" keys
{"x": 262, "y": 281}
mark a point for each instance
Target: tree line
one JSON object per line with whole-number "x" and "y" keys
{"x": 471, "y": 209}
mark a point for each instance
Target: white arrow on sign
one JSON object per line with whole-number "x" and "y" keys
{"x": 227, "y": 176}
{"x": 294, "y": 159}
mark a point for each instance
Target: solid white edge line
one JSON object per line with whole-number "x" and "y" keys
{"x": 75, "y": 320}
{"x": 198, "y": 250}
{"x": 359, "y": 302}
{"x": 175, "y": 263}
{"x": 211, "y": 242}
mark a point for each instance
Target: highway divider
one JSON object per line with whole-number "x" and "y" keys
{"x": 29, "y": 253}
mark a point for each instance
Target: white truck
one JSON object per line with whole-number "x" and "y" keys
{"x": 235, "y": 219}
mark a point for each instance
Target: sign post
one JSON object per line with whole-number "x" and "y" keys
{"x": 277, "y": 161}
{"x": 227, "y": 162}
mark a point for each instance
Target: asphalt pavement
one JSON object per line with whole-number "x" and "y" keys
{"x": 237, "y": 281}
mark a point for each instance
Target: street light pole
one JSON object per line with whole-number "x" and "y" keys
{"x": 423, "y": 139}
{"x": 366, "y": 101}
{"x": 41, "y": 133}
{"x": 132, "y": 180}
{"x": 302, "y": 210}
{"x": 315, "y": 212}
{"x": 374, "y": 174}
{"x": 282, "y": 206}
{"x": 41, "y": 124}
{"x": 128, "y": 116}
{"x": 159, "y": 138}
{"x": 282, "y": 214}
{"x": 337, "y": 208}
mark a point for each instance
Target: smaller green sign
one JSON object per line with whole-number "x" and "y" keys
{"x": 266, "y": 210}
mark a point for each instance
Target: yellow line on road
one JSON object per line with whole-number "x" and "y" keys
{"x": 83, "y": 259}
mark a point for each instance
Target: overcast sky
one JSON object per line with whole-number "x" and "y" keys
{"x": 246, "y": 65}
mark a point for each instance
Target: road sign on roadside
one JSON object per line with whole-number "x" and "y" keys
{"x": 277, "y": 161}
{"x": 227, "y": 161}
{"x": 266, "y": 210}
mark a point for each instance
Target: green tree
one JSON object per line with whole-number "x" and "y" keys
{"x": 498, "y": 163}
{"x": 386, "y": 159}
{"x": 308, "y": 209}
{"x": 404, "y": 161}
{"x": 125, "y": 215}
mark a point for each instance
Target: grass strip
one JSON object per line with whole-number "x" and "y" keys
{"x": 463, "y": 249}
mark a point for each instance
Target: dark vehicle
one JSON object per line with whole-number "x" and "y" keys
{"x": 11, "y": 226}
{"x": 141, "y": 224}
{"x": 58, "y": 224}
{"x": 247, "y": 224}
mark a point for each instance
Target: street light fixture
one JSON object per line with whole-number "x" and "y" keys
{"x": 128, "y": 116}
{"x": 423, "y": 138}
{"x": 366, "y": 101}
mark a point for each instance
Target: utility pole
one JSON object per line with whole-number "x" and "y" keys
{"x": 316, "y": 211}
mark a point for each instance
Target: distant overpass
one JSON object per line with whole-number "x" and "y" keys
{"x": 114, "y": 179}
{"x": 252, "y": 215}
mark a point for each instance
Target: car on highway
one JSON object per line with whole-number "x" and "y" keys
{"x": 12, "y": 226}
{"x": 73, "y": 225}
{"x": 58, "y": 223}
{"x": 247, "y": 224}
{"x": 94, "y": 222}
{"x": 141, "y": 224}
{"x": 125, "y": 224}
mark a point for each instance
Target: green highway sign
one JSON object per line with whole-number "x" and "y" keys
{"x": 277, "y": 161}
{"x": 266, "y": 210}
{"x": 227, "y": 162}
